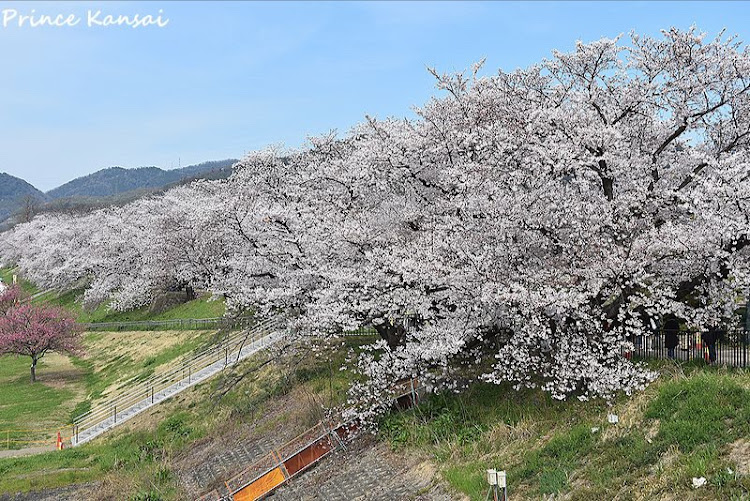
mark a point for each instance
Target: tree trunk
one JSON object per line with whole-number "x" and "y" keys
{"x": 189, "y": 292}
{"x": 33, "y": 369}
{"x": 394, "y": 335}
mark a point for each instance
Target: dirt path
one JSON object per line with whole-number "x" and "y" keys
{"x": 16, "y": 453}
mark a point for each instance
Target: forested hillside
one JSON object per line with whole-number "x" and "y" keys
{"x": 13, "y": 193}
{"x": 108, "y": 187}
{"x": 117, "y": 180}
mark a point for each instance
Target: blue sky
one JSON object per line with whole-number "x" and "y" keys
{"x": 225, "y": 78}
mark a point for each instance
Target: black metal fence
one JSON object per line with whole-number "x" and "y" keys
{"x": 176, "y": 324}
{"x": 732, "y": 348}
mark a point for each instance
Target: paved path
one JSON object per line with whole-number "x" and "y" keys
{"x": 192, "y": 380}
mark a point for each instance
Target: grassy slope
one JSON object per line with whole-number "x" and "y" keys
{"x": 113, "y": 359}
{"x": 136, "y": 460}
{"x": 683, "y": 426}
{"x": 6, "y": 274}
{"x": 67, "y": 385}
{"x": 45, "y": 404}
{"x": 202, "y": 307}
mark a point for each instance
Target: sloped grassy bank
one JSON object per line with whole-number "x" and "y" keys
{"x": 141, "y": 460}
{"x": 693, "y": 421}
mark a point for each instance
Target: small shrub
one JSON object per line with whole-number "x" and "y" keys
{"x": 147, "y": 496}
{"x": 175, "y": 426}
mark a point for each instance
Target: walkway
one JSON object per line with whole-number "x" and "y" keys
{"x": 88, "y": 430}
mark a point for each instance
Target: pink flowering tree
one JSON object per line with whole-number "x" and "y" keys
{"x": 9, "y": 297}
{"x": 33, "y": 330}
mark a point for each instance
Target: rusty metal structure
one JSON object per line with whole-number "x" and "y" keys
{"x": 280, "y": 465}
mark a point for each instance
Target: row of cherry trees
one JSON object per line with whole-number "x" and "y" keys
{"x": 524, "y": 226}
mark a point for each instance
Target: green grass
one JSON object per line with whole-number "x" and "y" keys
{"x": 681, "y": 427}
{"x": 455, "y": 430}
{"x": 24, "y": 405}
{"x": 6, "y": 274}
{"x": 550, "y": 466}
{"x": 29, "y": 406}
{"x": 142, "y": 454}
{"x": 549, "y": 448}
{"x": 202, "y": 307}
{"x": 102, "y": 369}
{"x": 705, "y": 409}
{"x": 137, "y": 461}
{"x": 39, "y": 406}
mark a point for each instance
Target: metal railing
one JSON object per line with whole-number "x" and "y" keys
{"x": 278, "y": 466}
{"x": 141, "y": 391}
{"x": 732, "y": 349}
{"x": 176, "y": 324}
{"x": 276, "y": 457}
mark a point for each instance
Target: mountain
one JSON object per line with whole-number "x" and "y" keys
{"x": 112, "y": 186}
{"x": 85, "y": 203}
{"x": 117, "y": 180}
{"x": 14, "y": 193}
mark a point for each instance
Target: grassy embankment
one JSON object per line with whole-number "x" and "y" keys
{"x": 6, "y": 274}
{"x": 66, "y": 386}
{"x": 137, "y": 461}
{"x": 202, "y": 307}
{"x": 693, "y": 422}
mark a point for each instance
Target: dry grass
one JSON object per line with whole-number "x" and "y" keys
{"x": 739, "y": 454}
{"x": 128, "y": 352}
{"x": 137, "y": 345}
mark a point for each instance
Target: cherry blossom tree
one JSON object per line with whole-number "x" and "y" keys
{"x": 524, "y": 228}
{"x": 542, "y": 218}
{"x": 33, "y": 330}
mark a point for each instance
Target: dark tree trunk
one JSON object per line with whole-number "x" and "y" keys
{"x": 394, "y": 335}
{"x": 33, "y": 369}
{"x": 189, "y": 292}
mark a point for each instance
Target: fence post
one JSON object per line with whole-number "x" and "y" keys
{"x": 152, "y": 394}
{"x": 115, "y": 414}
